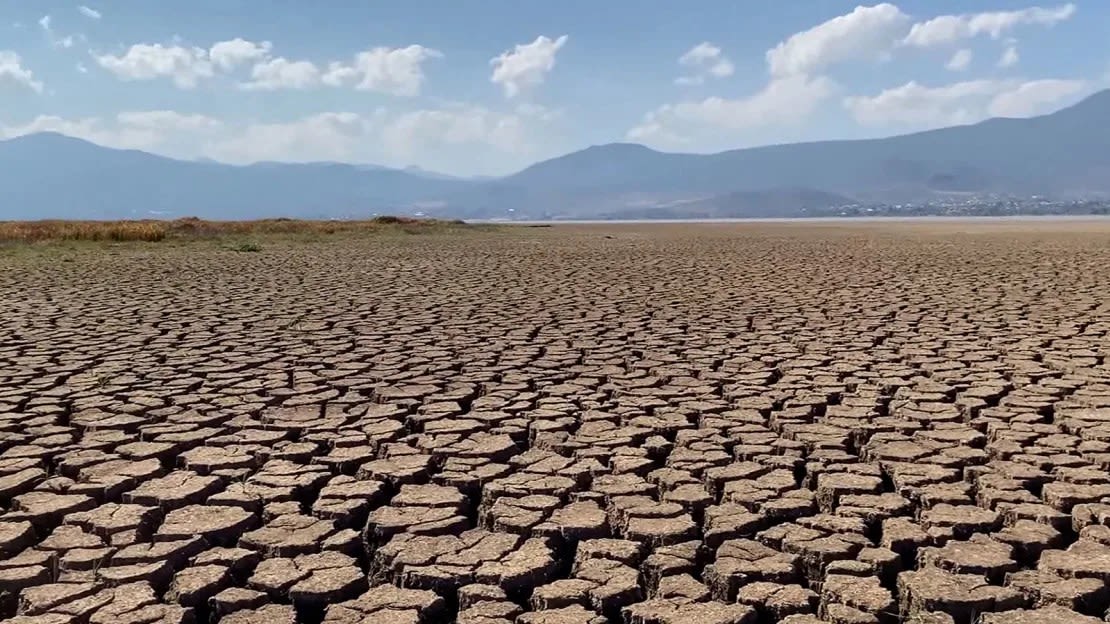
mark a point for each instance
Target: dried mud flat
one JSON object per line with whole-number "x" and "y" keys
{"x": 719, "y": 424}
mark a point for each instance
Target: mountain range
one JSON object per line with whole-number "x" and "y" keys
{"x": 1062, "y": 154}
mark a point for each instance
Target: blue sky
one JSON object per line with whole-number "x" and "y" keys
{"x": 490, "y": 86}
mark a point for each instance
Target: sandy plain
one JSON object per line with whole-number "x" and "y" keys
{"x": 652, "y": 424}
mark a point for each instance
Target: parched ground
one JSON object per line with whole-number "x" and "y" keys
{"x": 711, "y": 424}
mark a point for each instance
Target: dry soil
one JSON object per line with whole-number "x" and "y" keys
{"x": 652, "y": 424}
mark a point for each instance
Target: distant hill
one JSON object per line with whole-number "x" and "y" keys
{"x": 53, "y": 176}
{"x": 1067, "y": 149}
{"x": 1066, "y": 152}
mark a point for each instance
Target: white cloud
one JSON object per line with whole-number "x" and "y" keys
{"x": 424, "y": 130}
{"x": 169, "y": 120}
{"x": 526, "y": 65}
{"x": 90, "y": 129}
{"x": 89, "y": 13}
{"x": 164, "y": 131}
{"x": 180, "y": 135}
{"x": 58, "y": 42}
{"x": 13, "y": 72}
{"x": 798, "y": 86}
{"x": 488, "y": 141}
{"x": 947, "y": 29}
{"x": 865, "y": 33}
{"x": 783, "y": 102}
{"x": 960, "y": 60}
{"x": 538, "y": 112}
{"x": 455, "y": 137}
{"x": 1036, "y": 97}
{"x": 227, "y": 55}
{"x": 918, "y": 106}
{"x": 795, "y": 91}
{"x": 281, "y": 73}
{"x": 705, "y": 60}
{"x": 396, "y": 71}
{"x": 186, "y": 66}
{"x": 658, "y": 128}
{"x": 333, "y": 136}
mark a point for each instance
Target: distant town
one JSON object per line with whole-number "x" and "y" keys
{"x": 976, "y": 206}
{"x": 817, "y": 205}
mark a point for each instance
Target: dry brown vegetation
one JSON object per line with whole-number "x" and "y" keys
{"x": 716, "y": 424}
{"x": 117, "y": 231}
{"x": 189, "y": 229}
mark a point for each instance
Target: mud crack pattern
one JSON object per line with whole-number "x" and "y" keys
{"x": 649, "y": 424}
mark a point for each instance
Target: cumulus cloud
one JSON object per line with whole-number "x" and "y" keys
{"x": 90, "y": 129}
{"x": 526, "y": 65}
{"x": 185, "y": 66}
{"x": 227, "y": 55}
{"x": 395, "y": 71}
{"x": 798, "y": 82}
{"x": 435, "y": 138}
{"x": 919, "y": 106}
{"x": 784, "y": 101}
{"x": 948, "y": 29}
{"x": 324, "y": 136}
{"x": 865, "y": 33}
{"x": 168, "y": 120}
{"x": 89, "y": 13}
{"x": 281, "y": 73}
{"x": 705, "y": 60}
{"x": 12, "y": 72}
{"x": 1036, "y": 97}
{"x": 333, "y": 136}
{"x": 162, "y": 130}
{"x": 454, "y": 137}
{"x": 960, "y": 60}
{"x": 423, "y": 130}
{"x": 916, "y": 104}
{"x": 796, "y": 87}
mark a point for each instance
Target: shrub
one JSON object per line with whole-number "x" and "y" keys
{"x": 247, "y": 247}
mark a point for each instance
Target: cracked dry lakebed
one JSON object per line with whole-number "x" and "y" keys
{"x": 843, "y": 423}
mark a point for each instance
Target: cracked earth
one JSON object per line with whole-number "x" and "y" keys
{"x": 718, "y": 424}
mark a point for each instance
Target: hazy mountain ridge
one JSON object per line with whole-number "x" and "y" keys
{"x": 1066, "y": 152}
